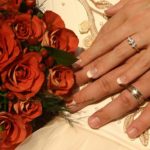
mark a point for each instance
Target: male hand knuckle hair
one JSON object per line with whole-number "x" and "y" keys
{"x": 105, "y": 85}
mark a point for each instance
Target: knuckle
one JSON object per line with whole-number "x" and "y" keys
{"x": 144, "y": 124}
{"x": 126, "y": 100}
{"x": 105, "y": 85}
{"x": 119, "y": 53}
{"x": 127, "y": 26}
{"x": 82, "y": 98}
{"x": 130, "y": 24}
{"x": 145, "y": 64}
{"x": 79, "y": 98}
{"x": 135, "y": 19}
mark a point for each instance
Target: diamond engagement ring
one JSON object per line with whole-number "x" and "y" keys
{"x": 136, "y": 94}
{"x": 133, "y": 44}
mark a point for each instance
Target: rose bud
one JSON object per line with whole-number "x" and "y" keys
{"x": 30, "y": 3}
{"x": 28, "y": 27}
{"x": 63, "y": 39}
{"x": 49, "y": 61}
{"x": 44, "y": 52}
{"x": 28, "y": 110}
{"x": 60, "y": 80}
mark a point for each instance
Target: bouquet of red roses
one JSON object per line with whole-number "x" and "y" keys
{"x": 36, "y": 52}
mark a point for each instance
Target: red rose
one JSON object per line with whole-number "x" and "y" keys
{"x": 38, "y": 29}
{"x": 10, "y": 5}
{"x": 30, "y": 3}
{"x": 22, "y": 26}
{"x": 14, "y": 131}
{"x": 9, "y": 47}
{"x": 24, "y": 78}
{"x": 60, "y": 80}
{"x": 63, "y": 39}
{"x": 53, "y": 21}
{"x": 29, "y": 28}
{"x": 28, "y": 110}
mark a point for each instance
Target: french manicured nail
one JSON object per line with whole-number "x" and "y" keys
{"x": 92, "y": 73}
{"x": 77, "y": 64}
{"x": 121, "y": 80}
{"x": 132, "y": 132}
{"x": 94, "y": 122}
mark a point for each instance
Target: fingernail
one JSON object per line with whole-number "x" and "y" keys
{"x": 94, "y": 122}
{"x": 77, "y": 64}
{"x": 121, "y": 80}
{"x": 92, "y": 73}
{"x": 132, "y": 133}
{"x": 72, "y": 103}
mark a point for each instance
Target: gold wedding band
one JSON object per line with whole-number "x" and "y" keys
{"x": 136, "y": 94}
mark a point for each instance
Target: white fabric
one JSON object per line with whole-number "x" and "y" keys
{"x": 59, "y": 135}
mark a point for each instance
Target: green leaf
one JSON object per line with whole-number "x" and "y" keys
{"x": 52, "y": 106}
{"x": 62, "y": 57}
{"x": 3, "y": 103}
{"x": 23, "y": 7}
{"x": 34, "y": 48}
{"x": 4, "y": 12}
{"x": 51, "y": 102}
{"x": 40, "y": 15}
{"x": 2, "y": 93}
{"x": 2, "y": 128}
{"x": 37, "y": 12}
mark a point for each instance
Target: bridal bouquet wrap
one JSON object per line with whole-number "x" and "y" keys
{"x": 36, "y": 52}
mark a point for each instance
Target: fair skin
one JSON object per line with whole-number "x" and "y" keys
{"x": 111, "y": 62}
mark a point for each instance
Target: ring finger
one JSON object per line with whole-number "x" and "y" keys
{"x": 112, "y": 59}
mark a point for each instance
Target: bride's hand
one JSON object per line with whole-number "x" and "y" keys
{"x": 110, "y": 50}
{"x": 111, "y": 47}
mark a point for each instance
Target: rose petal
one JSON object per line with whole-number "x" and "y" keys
{"x": 53, "y": 21}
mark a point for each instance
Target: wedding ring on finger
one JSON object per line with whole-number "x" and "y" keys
{"x": 133, "y": 43}
{"x": 136, "y": 94}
